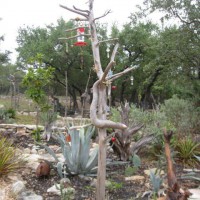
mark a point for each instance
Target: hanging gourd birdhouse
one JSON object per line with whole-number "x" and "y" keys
{"x": 80, "y": 37}
{"x": 114, "y": 87}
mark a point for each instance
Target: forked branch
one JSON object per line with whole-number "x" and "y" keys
{"x": 80, "y": 10}
{"x": 106, "y": 13}
{"x": 115, "y": 76}
{"x": 111, "y": 63}
{"x": 74, "y": 11}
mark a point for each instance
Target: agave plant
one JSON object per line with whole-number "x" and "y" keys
{"x": 79, "y": 159}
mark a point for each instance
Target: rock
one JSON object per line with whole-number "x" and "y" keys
{"x": 147, "y": 172}
{"x": 2, "y": 194}
{"x": 135, "y": 178}
{"x": 21, "y": 130}
{"x": 85, "y": 178}
{"x": 14, "y": 177}
{"x": 55, "y": 148}
{"x": 33, "y": 151}
{"x": 94, "y": 183}
{"x": 29, "y": 195}
{"x": 17, "y": 188}
{"x": 41, "y": 151}
{"x": 27, "y": 151}
{"x": 195, "y": 194}
{"x": 47, "y": 156}
{"x": 54, "y": 189}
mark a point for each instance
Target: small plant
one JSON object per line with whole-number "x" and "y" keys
{"x": 9, "y": 161}
{"x": 130, "y": 171}
{"x": 7, "y": 115}
{"x": 186, "y": 150}
{"x": 136, "y": 160}
{"x": 48, "y": 118}
{"x": 65, "y": 193}
{"x": 156, "y": 181}
{"x": 78, "y": 157}
{"x": 123, "y": 144}
{"x": 112, "y": 185}
{"x": 11, "y": 113}
{"x": 37, "y": 134}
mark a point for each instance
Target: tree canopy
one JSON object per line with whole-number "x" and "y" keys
{"x": 166, "y": 59}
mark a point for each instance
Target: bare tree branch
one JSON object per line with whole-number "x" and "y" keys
{"x": 115, "y": 76}
{"x": 106, "y": 13}
{"x": 109, "y": 136}
{"x": 108, "y": 40}
{"x": 93, "y": 112}
{"x": 111, "y": 63}
{"x": 74, "y": 11}
{"x": 135, "y": 146}
{"x": 87, "y": 11}
{"x": 134, "y": 129}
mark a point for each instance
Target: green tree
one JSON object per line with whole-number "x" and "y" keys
{"x": 36, "y": 82}
{"x": 181, "y": 44}
{"x": 140, "y": 46}
{"x": 62, "y": 56}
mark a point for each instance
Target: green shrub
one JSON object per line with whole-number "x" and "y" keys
{"x": 186, "y": 150}
{"x": 9, "y": 161}
{"x": 112, "y": 185}
{"x": 11, "y": 113}
{"x": 7, "y": 115}
{"x": 154, "y": 120}
{"x": 130, "y": 171}
{"x": 181, "y": 114}
{"x": 37, "y": 134}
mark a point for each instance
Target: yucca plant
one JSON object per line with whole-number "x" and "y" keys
{"x": 79, "y": 159}
{"x": 186, "y": 150}
{"x": 9, "y": 161}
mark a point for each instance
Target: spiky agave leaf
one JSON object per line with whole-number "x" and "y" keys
{"x": 75, "y": 147}
{"x": 85, "y": 136}
{"x": 93, "y": 159}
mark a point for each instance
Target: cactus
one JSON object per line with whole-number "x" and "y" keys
{"x": 78, "y": 157}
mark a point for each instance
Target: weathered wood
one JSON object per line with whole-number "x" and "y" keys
{"x": 173, "y": 192}
{"x": 99, "y": 104}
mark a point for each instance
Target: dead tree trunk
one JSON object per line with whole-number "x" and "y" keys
{"x": 123, "y": 146}
{"x": 99, "y": 104}
{"x": 173, "y": 192}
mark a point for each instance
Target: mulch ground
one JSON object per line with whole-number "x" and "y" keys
{"x": 84, "y": 190}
